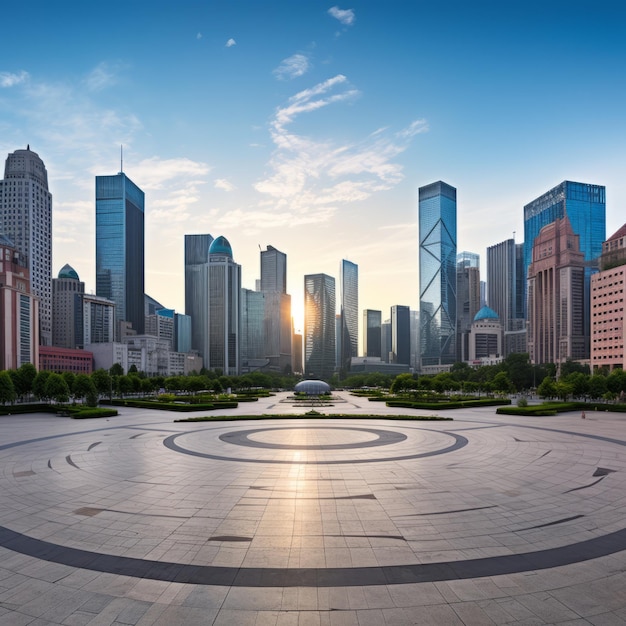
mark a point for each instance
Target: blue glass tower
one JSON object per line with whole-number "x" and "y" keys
{"x": 319, "y": 326}
{"x": 349, "y": 282}
{"x": 120, "y": 247}
{"x": 585, "y": 206}
{"x": 437, "y": 272}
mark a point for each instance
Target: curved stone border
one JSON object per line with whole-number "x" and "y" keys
{"x": 313, "y": 577}
{"x": 459, "y": 442}
{"x": 242, "y": 438}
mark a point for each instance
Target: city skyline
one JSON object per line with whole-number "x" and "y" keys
{"x": 339, "y": 113}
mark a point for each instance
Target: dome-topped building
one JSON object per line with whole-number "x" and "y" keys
{"x": 486, "y": 313}
{"x": 221, "y": 246}
{"x": 67, "y": 271}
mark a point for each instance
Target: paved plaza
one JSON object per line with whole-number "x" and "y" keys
{"x": 486, "y": 519}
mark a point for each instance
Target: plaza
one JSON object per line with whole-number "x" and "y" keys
{"x": 485, "y": 519}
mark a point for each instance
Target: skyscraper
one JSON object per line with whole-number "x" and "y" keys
{"x": 556, "y": 328}
{"x": 196, "y": 289}
{"x": 371, "y": 332}
{"x": 64, "y": 290}
{"x": 273, "y": 270}
{"x": 401, "y": 334}
{"x": 585, "y": 207}
{"x": 277, "y": 329}
{"x": 120, "y": 247}
{"x": 349, "y": 282}
{"x": 319, "y": 325}
{"x": 224, "y": 293}
{"x": 437, "y": 274}
{"x": 468, "y": 304}
{"x": 26, "y": 206}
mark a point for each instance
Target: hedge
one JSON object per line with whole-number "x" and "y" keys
{"x": 172, "y": 406}
{"x": 452, "y": 404}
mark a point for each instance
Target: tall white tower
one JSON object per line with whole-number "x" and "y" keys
{"x": 26, "y": 209}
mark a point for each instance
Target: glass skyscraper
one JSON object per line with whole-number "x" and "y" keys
{"x": 319, "y": 326}
{"x": 349, "y": 281}
{"x": 437, "y": 273}
{"x": 401, "y": 334}
{"x": 273, "y": 270}
{"x": 372, "y": 321}
{"x": 120, "y": 247}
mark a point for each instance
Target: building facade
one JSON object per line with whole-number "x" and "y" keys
{"x": 468, "y": 304}
{"x": 608, "y": 299}
{"x": 319, "y": 326}
{"x": 94, "y": 319}
{"x": 372, "y": 321}
{"x": 485, "y": 341}
{"x": 437, "y": 274}
{"x": 349, "y": 312}
{"x": 120, "y": 247}
{"x": 64, "y": 290}
{"x": 273, "y": 270}
{"x": 400, "y": 334}
{"x": 556, "y": 312}
{"x": 224, "y": 293}
{"x": 19, "y": 310}
{"x": 26, "y": 209}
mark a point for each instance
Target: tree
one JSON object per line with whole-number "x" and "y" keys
{"x": 56, "y": 388}
{"x": 27, "y": 373}
{"x": 519, "y": 370}
{"x": 572, "y": 367}
{"x": 597, "y": 386}
{"x": 547, "y": 388}
{"x": 102, "y": 381}
{"x": 69, "y": 378}
{"x": 563, "y": 390}
{"x": 133, "y": 369}
{"x": 39, "y": 385}
{"x": 579, "y": 383}
{"x": 502, "y": 384}
{"x": 7, "y": 389}
{"x": 116, "y": 370}
{"x": 403, "y": 383}
{"x": 125, "y": 385}
{"x": 83, "y": 386}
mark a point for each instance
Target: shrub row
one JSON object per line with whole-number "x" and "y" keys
{"x": 172, "y": 406}
{"x": 451, "y": 404}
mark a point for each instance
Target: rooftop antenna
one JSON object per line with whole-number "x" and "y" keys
{"x": 121, "y": 159}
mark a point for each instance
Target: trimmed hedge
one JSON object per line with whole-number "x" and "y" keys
{"x": 231, "y": 418}
{"x": 552, "y": 408}
{"x": 93, "y": 412}
{"x": 171, "y": 406}
{"x": 451, "y": 404}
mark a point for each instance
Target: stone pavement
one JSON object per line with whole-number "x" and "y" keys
{"x": 482, "y": 520}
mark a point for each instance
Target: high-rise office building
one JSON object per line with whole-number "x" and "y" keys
{"x": 120, "y": 248}
{"x": 467, "y": 304}
{"x": 273, "y": 270}
{"x": 64, "y": 290}
{"x": 319, "y": 326}
{"x": 26, "y": 206}
{"x": 253, "y": 355}
{"x": 437, "y": 274}
{"x": 196, "y": 289}
{"x": 467, "y": 259}
{"x": 349, "y": 311}
{"x": 161, "y": 324}
{"x": 372, "y": 321}
{"x": 585, "y": 207}
{"x": 224, "y": 294}
{"x": 556, "y": 328}
{"x": 506, "y": 285}
{"x": 385, "y": 341}
{"x": 401, "y": 334}
{"x": 94, "y": 319}
{"x": 19, "y": 310}
{"x": 277, "y": 323}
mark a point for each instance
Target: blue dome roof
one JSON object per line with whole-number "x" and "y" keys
{"x": 67, "y": 271}
{"x": 221, "y": 246}
{"x": 486, "y": 314}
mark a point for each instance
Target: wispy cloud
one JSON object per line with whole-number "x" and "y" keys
{"x": 223, "y": 184}
{"x": 230, "y": 43}
{"x": 9, "y": 79}
{"x": 314, "y": 178}
{"x": 102, "y": 76}
{"x": 292, "y": 67}
{"x": 199, "y": 36}
{"x": 345, "y": 16}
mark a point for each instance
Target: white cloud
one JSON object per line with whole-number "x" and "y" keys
{"x": 345, "y": 16}
{"x": 199, "y": 36}
{"x": 223, "y": 184}
{"x": 101, "y": 77}
{"x": 292, "y": 67}
{"x": 315, "y": 178}
{"x": 8, "y": 79}
{"x": 230, "y": 43}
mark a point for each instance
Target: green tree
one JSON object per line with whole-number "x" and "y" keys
{"x": 519, "y": 370}
{"x": 597, "y": 386}
{"x": 563, "y": 390}
{"x": 573, "y": 367}
{"x": 83, "y": 386}
{"x": 502, "y": 384}
{"x": 403, "y": 383}
{"x": 39, "y": 385}
{"x": 116, "y": 370}
{"x": 102, "y": 381}
{"x": 133, "y": 369}
{"x": 69, "y": 378}
{"x": 547, "y": 388}
{"x": 125, "y": 385}
{"x": 616, "y": 381}
{"x": 26, "y": 376}
{"x": 7, "y": 388}
{"x": 579, "y": 383}
{"x": 56, "y": 388}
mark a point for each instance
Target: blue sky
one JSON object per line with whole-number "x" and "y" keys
{"x": 310, "y": 126}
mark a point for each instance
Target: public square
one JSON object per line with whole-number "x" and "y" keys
{"x": 486, "y": 519}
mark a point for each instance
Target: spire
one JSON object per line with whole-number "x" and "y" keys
{"x": 121, "y": 159}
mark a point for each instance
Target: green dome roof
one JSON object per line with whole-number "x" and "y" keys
{"x": 67, "y": 271}
{"x": 486, "y": 314}
{"x": 221, "y": 246}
